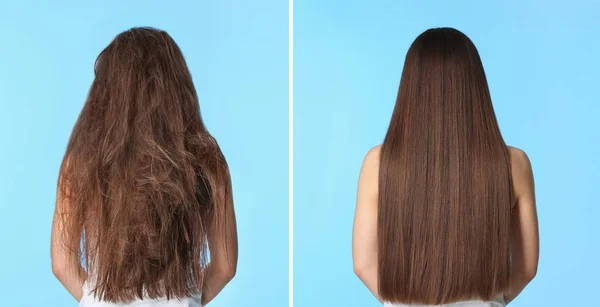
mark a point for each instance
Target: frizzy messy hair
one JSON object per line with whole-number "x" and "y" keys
{"x": 142, "y": 181}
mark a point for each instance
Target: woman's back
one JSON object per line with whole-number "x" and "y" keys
{"x": 523, "y": 222}
{"x": 144, "y": 190}
{"x": 435, "y": 201}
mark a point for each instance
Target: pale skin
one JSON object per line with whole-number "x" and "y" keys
{"x": 65, "y": 265}
{"x": 220, "y": 271}
{"x": 223, "y": 247}
{"x": 524, "y": 232}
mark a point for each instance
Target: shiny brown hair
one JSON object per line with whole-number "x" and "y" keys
{"x": 142, "y": 181}
{"x": 445, "y": 188}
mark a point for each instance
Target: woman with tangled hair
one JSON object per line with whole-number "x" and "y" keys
{"x": 144, "y": 191}
{"x": 445, "y": 210}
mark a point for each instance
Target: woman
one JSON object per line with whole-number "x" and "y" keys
{"x": 144, "y": 191}
{"x": 445, "y": 210}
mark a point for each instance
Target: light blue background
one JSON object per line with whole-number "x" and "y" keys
{"x": 542, "y": 63}
{"x": 237, "y": 53}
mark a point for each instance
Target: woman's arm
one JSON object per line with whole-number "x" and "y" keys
{"x": 65, "y": 261}
{"x": 364, "y": 234}
{"x": 223, "y": 246}
{"x": 524, "y": 226}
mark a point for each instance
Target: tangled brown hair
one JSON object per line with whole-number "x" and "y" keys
{"x": 144, "y": 180}
{"x": 445, "y": 190}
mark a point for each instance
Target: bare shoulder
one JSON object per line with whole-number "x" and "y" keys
{"x": 518, "y": 157}
{"x": 522, "y": 174}
{"x": 369, "y": 172}
{"x": 371, "y": 161}
{"x": 374, "y": 152}
{"x": 519, "y": 161}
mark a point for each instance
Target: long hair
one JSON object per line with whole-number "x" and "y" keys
{"x": 144, "y": 180}
{"x": 445, "y": 188}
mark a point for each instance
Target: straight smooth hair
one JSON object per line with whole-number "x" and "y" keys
{"x": 142, "y": 182}
{"x": 445, "y": 189}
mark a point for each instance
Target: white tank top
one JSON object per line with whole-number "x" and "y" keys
{"x": 498, "y": 301}
{"x": 88, "y": 300}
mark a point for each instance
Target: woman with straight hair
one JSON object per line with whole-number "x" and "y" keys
{"x": 144, "y": 192}
{"x": 445, "y": 211}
